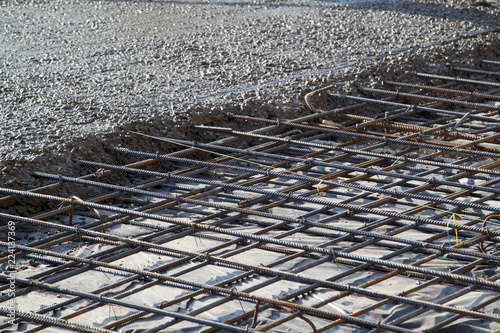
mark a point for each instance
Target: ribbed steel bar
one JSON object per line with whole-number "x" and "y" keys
{"x": 190, "y": 150}
{"x": 431, "y": 98}
{"x": 387, "y": 117}
{"x": 51, "y": 276}
{"x": 443, "y": 131}
{"x": 150, "y": 208}
{"x": 308, "y": 96}
{"x": 477, "y": 144}
{"x": 454, "y": 179}
{"x": 265, "y": 283}
{"x": 133, "y": 277}
{"x": 306, "y": 290}
{"x": 436, "y": 235}
{"x": 139, "y": 164}
{"x": 489, "y": 62}
{"x": 463, "y": 268}
{"x": 138, "y": 275}
{"x": 60, "y": 238}
{"x": 118, "y": 219}
{"x": 100, "y": 198}
{"x": 121, "y": 295}
{"x": 238, "y": 251}
{"x": 239, "y": 277}
{"x": 40, "y": 319}
{"x": 153, "y": 226}
{"x": 422, "y": 227}
{"x": 439, "y": 327}
{"x": 331, "y": 299}
{"x": 312, "y": 161}
{"x": 96, "y": 175}
{"x": 359, "y": 135}
{"x": 458, "y": 79}
{"x": 449, "y": 91}
{"x": 194, "y": 294}
{"x": 182, "y": 199}
{"x": 476, "y": 71}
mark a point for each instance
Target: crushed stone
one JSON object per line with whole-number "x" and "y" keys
{"x": 76, "y": 76}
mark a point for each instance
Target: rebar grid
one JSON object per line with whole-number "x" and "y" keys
{"x": 373, "y": 222}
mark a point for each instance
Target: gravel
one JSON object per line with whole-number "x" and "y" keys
{"x": 77, "y": 75}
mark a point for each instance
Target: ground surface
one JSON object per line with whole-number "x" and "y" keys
{"x": 75, "y": 73}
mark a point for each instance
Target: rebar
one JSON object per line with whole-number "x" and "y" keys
{"x": 476, "y": 71}
{"x": 445, "y": 90}
{"x": 30, "y": 316}
{"x": 490, "y": 62}
{"x": 431, "y": 98}
{"x": 458, "y": 79}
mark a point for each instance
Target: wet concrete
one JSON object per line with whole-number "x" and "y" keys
{"x": 75, "y": 74}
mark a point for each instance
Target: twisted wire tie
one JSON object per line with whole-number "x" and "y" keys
{"x": 78, "y": 234}
{"x": 333, "y": 255}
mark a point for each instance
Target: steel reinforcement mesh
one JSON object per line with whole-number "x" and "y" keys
{"x": 378, "y": 215}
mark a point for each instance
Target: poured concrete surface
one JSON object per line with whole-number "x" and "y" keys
{"x": 71, "y": 71}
